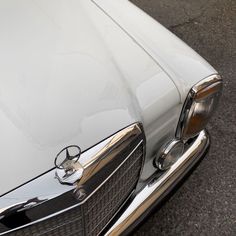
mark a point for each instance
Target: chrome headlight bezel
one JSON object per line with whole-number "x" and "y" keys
{"x": 199, "y": 107}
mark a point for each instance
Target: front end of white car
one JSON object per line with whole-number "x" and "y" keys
{"x": 114, "y": 119}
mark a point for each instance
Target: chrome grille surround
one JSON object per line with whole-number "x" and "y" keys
{"x": 118, "y": 167}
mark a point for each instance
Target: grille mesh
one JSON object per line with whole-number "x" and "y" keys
{"x": 91, "y": 217}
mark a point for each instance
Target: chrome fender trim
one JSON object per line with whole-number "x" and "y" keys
{"x": 159, "y": 187}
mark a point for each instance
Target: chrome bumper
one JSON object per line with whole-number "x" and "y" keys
{"x": 158, "y": 188}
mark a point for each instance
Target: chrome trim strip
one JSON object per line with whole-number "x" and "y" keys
{"x": 206, "y": 82}
{"x": 152, "y": 193}
{"x": 103, "y": 159}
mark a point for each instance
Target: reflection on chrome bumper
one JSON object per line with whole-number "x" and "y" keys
{"x": 159, "y": 187}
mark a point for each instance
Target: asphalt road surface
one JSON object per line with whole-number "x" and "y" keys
{"x": 206, "y": 203}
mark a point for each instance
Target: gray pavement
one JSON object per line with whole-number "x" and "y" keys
{"x": 206, "y": 203}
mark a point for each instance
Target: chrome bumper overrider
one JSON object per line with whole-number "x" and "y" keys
{"x": 159, "y": 187}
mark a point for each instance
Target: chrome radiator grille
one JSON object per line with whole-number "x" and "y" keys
{"x": 92, "y": 216}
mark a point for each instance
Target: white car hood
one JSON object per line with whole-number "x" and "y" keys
{"x": 68, "y": 75}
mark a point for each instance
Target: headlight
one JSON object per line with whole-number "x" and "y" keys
{"x": 199, "y": 106}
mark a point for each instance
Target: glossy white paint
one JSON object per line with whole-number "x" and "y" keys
{"x": 183, "y": 65}
{"x": 70, "y": 75}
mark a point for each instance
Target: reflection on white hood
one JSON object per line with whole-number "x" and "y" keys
{"x": 68, "y": 75}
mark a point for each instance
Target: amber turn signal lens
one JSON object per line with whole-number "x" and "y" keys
{"x": 199, "y": 107}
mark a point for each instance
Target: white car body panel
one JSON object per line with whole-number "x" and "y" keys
{"x": 183, "y": 65}
{"x": 70, "y": 75}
